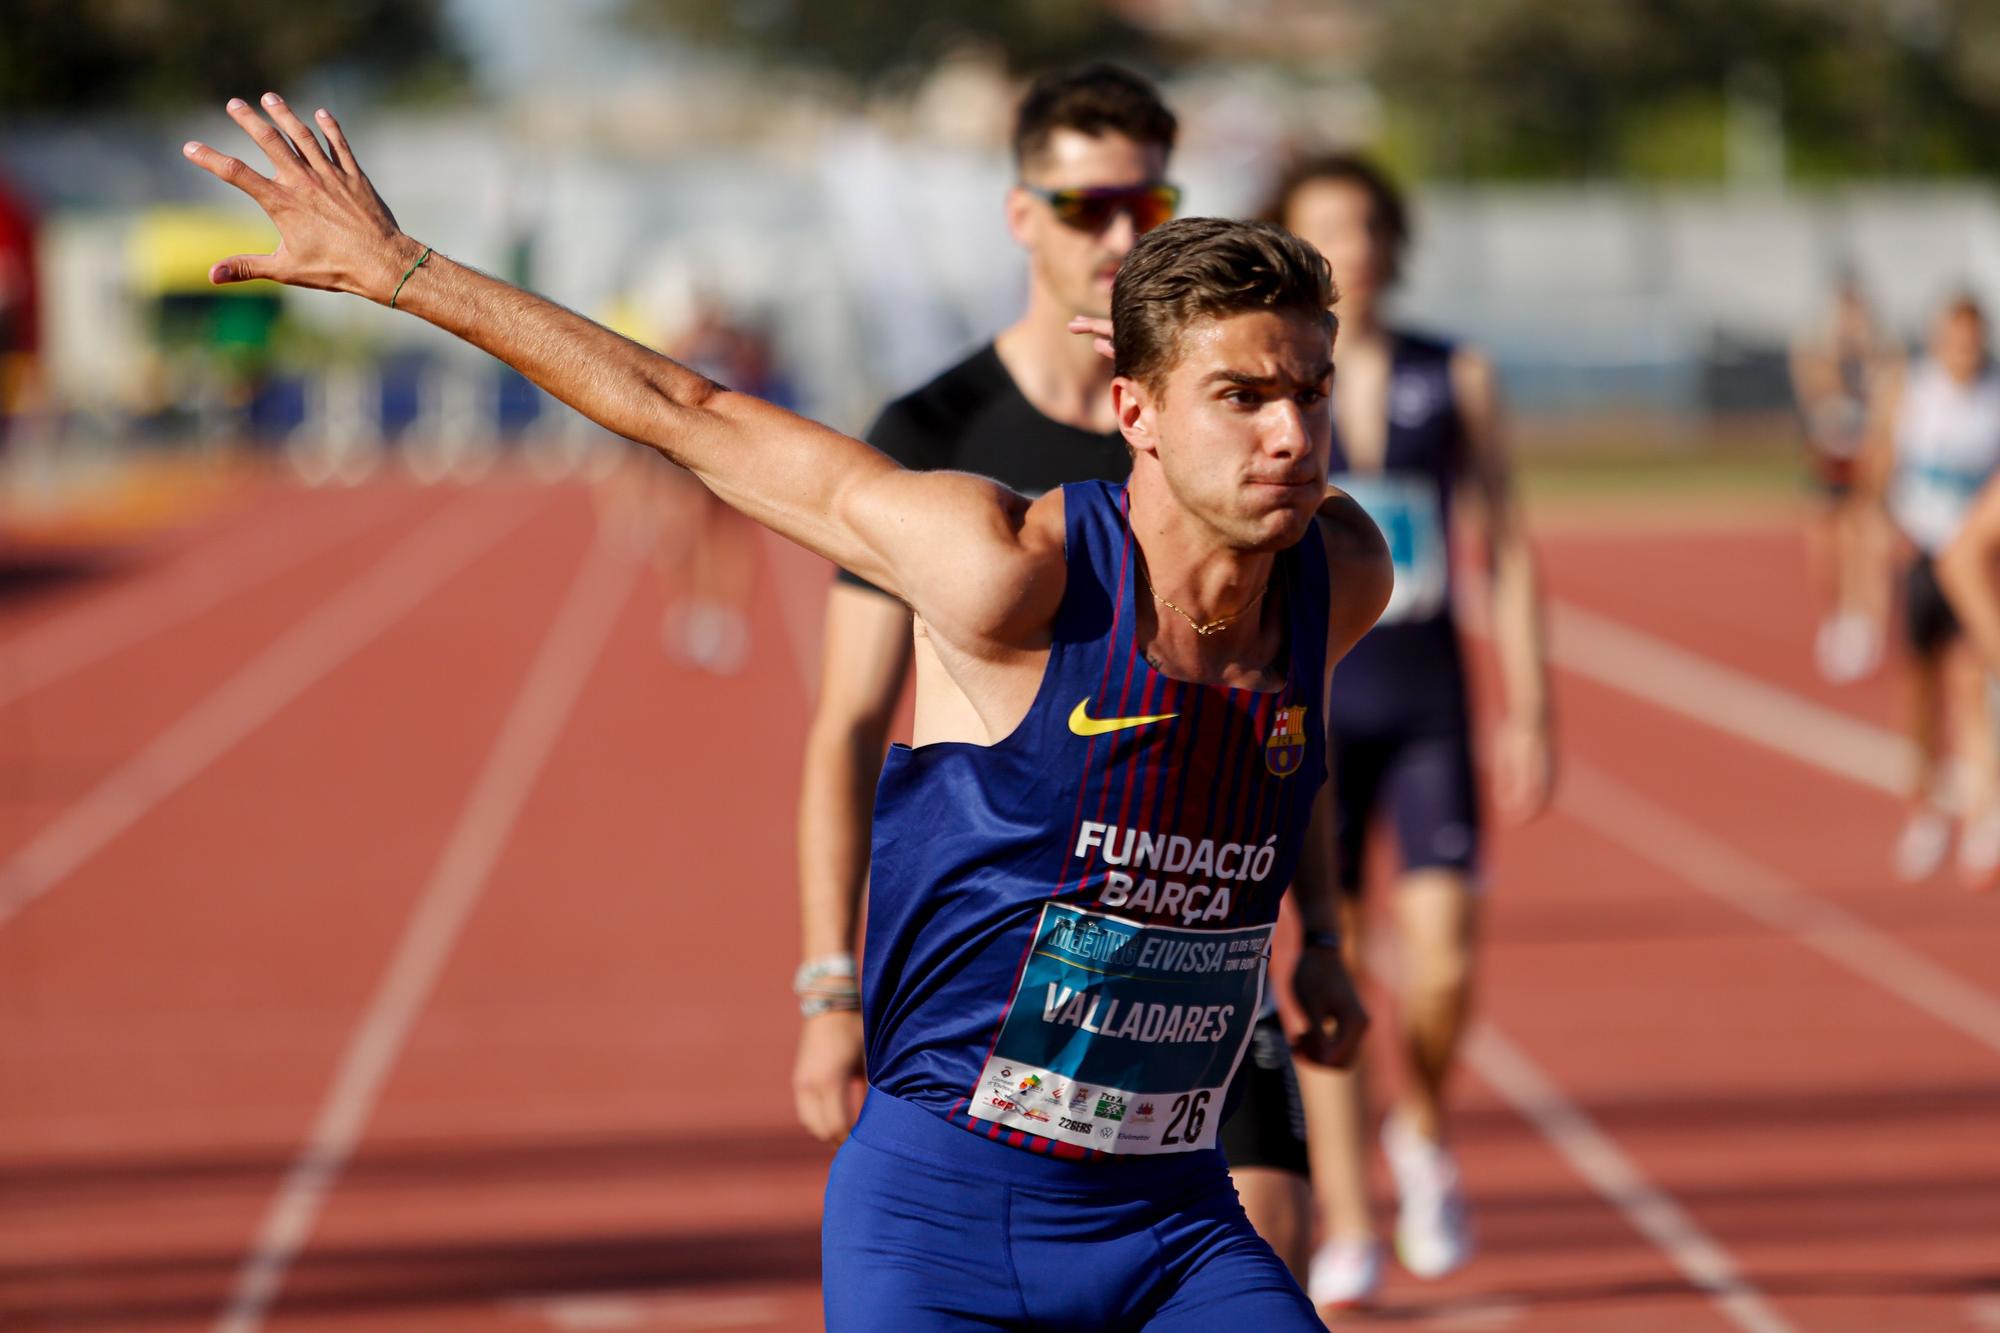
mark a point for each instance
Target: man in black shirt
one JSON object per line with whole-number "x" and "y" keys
{"x": 1031, "y": 409}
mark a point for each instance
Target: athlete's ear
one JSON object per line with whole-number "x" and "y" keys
{"x": 1021, "y": 216}
{"x": 1137, "y": 418}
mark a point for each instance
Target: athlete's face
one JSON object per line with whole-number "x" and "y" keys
{"x": 1958, "y": 343}
{"x": 1338, "y": 218}
{"x": 1241, "y": 426}
{"x": 1075, "y": 266}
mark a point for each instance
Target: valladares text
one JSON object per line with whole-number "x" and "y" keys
{"x": 1111, "y": 1017}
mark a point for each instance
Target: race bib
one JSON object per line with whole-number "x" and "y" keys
{"x": 1123, "y": 1037}
{"x": 1412, "y": 521}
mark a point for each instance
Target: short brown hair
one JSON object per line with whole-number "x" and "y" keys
{"x": 1092, "y": 99}
{"x": 1205, "y": 268}
{"x": 1391, "y": 215}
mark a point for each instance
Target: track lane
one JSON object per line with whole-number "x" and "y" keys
{"x": 615, "y": 1029}
{"x": 1894, "y": 1095}
{"x": 173, "y": 1012}
{"x": 537, "y": 1161}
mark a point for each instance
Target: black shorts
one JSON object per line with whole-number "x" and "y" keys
{"x": 1268, "y": 1126}
{"x": 1425, "y": 781}
{"x": 1929, "y": 624}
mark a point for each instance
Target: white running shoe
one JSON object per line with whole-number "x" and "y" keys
{"x": 706, "y": 635}
{"x": 1847, "y": 648}
{"x": 1979, "y": 851}
{"x": 1344, "y": 1274}
{"x": 1433, "y": 1233}
{"x": 1921, "y": 846}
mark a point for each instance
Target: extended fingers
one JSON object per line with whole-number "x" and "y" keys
{"x": 341, "y": 152}
{"x": 304, "y": 142}
{"x": 284, "y": 158}
{"x": 227, "y": 168}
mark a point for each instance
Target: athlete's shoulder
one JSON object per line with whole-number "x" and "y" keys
{"x": 1357, "y": 558}
{"x": 940, "y": 410}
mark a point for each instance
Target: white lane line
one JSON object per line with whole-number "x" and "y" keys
{"x": 1692, "y": 854}
{"x": 148, "y": 606}
{"x": 1684, "y": 682}
{"x": 533, "y": 725}
{"x": 394, "y": 586}
{"x": 1593, "y": 1155}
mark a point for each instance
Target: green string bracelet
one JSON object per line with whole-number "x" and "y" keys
{"x": 406, "y": 277}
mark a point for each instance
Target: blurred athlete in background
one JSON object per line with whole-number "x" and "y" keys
{"x": 1416, "y": 422}
{"x": 1837, "y": 371}
{"x": 1936, "y": 443}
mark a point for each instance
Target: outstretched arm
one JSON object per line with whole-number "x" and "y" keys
{"x": 950, "y": 545}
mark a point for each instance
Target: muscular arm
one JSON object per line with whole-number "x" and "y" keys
{"x": 828, "y": 492}
{"x": 1526, "y": 751}
{"x": 1969, "y": 571}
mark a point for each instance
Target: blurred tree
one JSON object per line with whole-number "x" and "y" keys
{"x": 123, "y": 53}
{"x": 885, "y": 37}
{"x": 1684, "y": 88}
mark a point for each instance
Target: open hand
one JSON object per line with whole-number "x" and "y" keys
{"x": 334, "y": 231}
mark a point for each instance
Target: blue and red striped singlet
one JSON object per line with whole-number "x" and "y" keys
{"x": 1068, "y": 930}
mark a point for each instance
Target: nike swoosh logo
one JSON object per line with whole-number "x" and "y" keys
{"x": 1083, "y": 724}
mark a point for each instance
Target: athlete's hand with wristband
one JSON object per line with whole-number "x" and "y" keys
{"x": 334, "y": 231}
{"x": 827, "y": 1073}
{"x": 1335, "y": 1017}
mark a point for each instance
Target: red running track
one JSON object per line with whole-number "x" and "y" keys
{"x": 410, "y": 953}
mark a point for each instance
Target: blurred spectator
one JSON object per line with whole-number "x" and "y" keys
{"x": 1837, "y": 369}
{"x": 705, "y": 551}
{"x": 1938, "y": 441}
{"x": 20, "y": 313}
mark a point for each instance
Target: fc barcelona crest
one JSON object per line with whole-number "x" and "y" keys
{"x": 1285, "y": 747}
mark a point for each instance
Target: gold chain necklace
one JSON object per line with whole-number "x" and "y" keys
{"x": 1208, "y": 627}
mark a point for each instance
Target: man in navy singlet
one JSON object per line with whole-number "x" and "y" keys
{"x": 1032, "y": 410}
{"x": 1119, "y": 763}
{"x": 1415, "y": 422}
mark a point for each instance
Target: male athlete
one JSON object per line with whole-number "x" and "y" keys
{"x": 1031, "y": 409}
{"x": 1119, "y": 761}
{"x": 1415, "y": 420}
